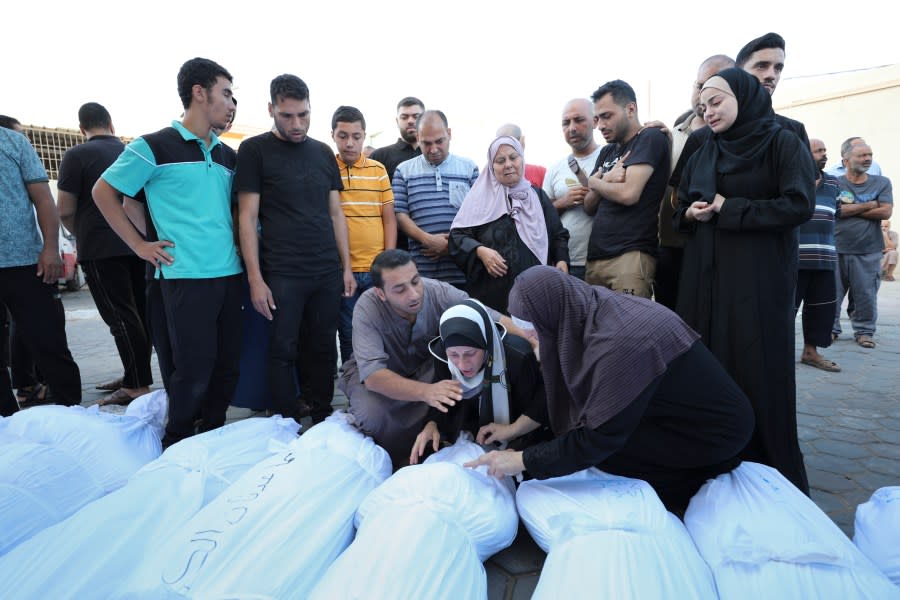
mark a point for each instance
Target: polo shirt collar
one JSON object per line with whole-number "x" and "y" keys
{"x": 188, "y": 135}
{"x": 360, "y": 163}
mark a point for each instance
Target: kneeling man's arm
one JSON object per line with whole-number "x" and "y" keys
{"x": 439, "y": 395}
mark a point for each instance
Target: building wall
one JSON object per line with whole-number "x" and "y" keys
{"x": 836, "y": 107}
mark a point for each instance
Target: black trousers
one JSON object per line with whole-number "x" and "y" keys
{"x": 817, "y": 291}
{"x": 303, "y": 333}
{"x": 204, "y": 324}
{"x": 668, "y": 270}
{"x": 40, "y": 318}
{"x": 158, "y": 330}
{"x": 8, "y": 404}
{"x": 118, "y": 287}
{"x": 25, "y": 373}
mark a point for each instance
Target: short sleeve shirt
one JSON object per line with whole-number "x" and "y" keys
{"x": 382, "y": 339}
{"x": 80, "y": 169}
{"x": 618, "y": 228}
{"x": 557, "y": 183}
{"x": 294, "y": 182}
{"x": 20, "y": 240}
{"x": 187, "y": 186}
{"x": 431, "y": 196}
{"x": 858, "y": 235}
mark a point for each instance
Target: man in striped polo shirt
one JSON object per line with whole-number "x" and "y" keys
{"x": 428, "y": 191}
{"x": 368, "y": 204}
{"x": 818, "y": 258}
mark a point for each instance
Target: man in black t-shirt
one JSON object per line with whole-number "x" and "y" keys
{"x": 626, "y": 187}
{"x": 294, "y": 244}
{"x": 115, "y": 275}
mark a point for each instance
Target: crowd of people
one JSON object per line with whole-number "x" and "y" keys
{"x": 630, "y": 307}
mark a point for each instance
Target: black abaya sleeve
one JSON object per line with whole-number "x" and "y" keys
{"x": 462, "y": 245}
{"x": 582, "y": 448}
{"x": 796, "y": 199}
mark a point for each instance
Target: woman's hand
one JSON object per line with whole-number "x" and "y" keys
{"x": 718, "y": 201}
{"x": 429, "y": 433}
{"x": 499, "y": 463}
{"x": 562, "y": 266}
{"x": 699, "y": 211}
{"x": 494, "y": 433}
{"x": 493, "y": 262}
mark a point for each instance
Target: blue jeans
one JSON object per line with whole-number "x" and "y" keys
{"x": 345, "y": 325}
{"x": 860, "y": 274}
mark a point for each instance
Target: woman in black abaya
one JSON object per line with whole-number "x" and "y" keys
{"x": 741, "y": 196}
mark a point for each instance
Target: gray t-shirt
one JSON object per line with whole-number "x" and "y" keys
{"x": 382, "y": 339}
{"x": 857, "y": 235}
{"x": 20, "y": 240}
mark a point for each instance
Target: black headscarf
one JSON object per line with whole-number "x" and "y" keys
{"x": 741, "y": 145}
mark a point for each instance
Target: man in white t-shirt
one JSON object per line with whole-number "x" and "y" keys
{"x": 566, "y": 188}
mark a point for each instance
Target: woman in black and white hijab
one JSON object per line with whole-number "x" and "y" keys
{"x": 503, "y": 391}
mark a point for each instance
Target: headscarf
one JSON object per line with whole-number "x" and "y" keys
{"x": 470, "y": 324}
{"x": 599, "y": 349}
{"x": 741, "y": 145}
{"x": 487, "y": 202}
{"x": 739, "y": 148}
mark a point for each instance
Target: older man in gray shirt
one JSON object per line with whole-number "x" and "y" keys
{"x": 389, "y": 380}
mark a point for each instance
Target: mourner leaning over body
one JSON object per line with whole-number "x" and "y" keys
{"x": 630, "y": 389}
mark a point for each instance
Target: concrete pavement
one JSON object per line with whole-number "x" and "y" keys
{"x": 849, "y": 422}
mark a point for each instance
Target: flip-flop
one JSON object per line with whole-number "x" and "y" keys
{"x": 119, "y": 397}
{"x": 34, "y": 397}
{"x": 110, "y": 386}
{"x": 822, "y": 363}
{"x": 865, "y": 341}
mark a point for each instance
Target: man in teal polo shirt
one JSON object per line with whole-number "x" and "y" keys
{"x": 185, "y": 173}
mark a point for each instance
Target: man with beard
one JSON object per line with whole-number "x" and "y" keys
{"x": 566, "y": 188}
{"x": 815, "y": 276}
{"x": 298, "y": 266}
{"x": 626, "y": 188}
{"x": 406, "y": 147}
{"x": 865, "y": 200}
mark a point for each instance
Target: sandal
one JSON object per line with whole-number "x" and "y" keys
{"x": 38, "y": 395}
{"x": 110, "y": 386}
{"x": 865, "y": 341}
{"x": 822, "y": 363}
{"x": 119, "y": 397}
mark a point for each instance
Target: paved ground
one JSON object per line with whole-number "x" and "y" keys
{"x": 849, "y": 423}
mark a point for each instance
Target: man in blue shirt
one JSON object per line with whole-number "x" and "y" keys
{"x": 30, "y": 265}
{"x": 185, "y": 173}
{"x": 428, "y": 191}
